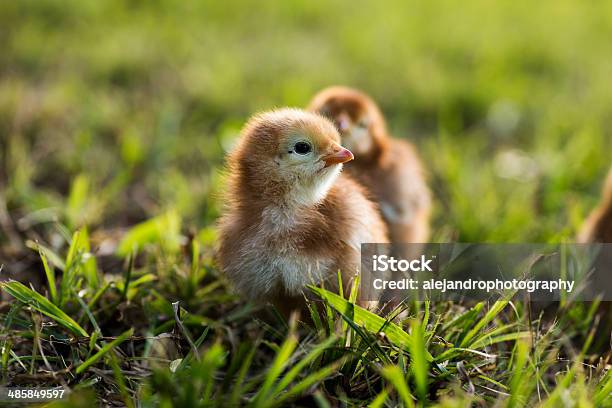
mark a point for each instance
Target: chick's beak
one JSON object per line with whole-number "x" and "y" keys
{"x": 338, "y": 155}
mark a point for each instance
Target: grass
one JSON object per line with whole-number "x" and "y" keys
{"x": 114, "y": 121}
{"x": 140, "y": 346}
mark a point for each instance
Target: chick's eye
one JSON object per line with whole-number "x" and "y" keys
{"x": 302, "y": 148}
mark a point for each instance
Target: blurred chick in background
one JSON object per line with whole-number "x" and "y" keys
{"x": 598, "y": 229}
{"x": 389, "y": 168}
{"x": 292, "y": 218}
{"x": 598, "y": 226}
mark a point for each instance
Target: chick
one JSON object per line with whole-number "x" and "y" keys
{"x": 292, "y": 218}
{"x": 598, "y": 229}
{"x": 389, "y": 168}
{"x": 598, "y": 226}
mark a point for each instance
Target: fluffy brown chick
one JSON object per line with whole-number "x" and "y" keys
{"x": 292, "y": 218}
{"x": 598, "y": 229}
{"x": 389, "y": 168}
{"x": 598, "y": 226}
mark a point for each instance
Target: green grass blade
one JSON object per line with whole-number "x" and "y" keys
{"x": 104, "y": 350}
{"x": 305, "y": 361}
{"x": 490, "y": 315}
{"x": 395, "y": 377}
{"x": 419, "y": 365}
{"x": 278, "y": 365}
{"x": 52, "y": 257}
{"x": 90, "y": 267}
{"x": 489, "y": 341}
{"x": 603, "y": 396}
{"x": 50, "y": 273}
{"x": 380, "y": 399}
{"x": 121, "y": 383}
{"x": 76, "y": 203}
{"x": 371, "y": 321}
{"x": 239, "y": 390}
{"x": 42, "y": 304}
{"x": 306, "y": 383}
{"x": 519, "y": 376}
{"x": 464, "y": 319}
{"x": 369, "y": 340}
{"x": 163, "y": 229}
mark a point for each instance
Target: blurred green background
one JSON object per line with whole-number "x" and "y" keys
{"x": 112, "y": 112}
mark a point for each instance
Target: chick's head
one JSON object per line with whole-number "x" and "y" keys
{"x": 290, "y": 152}
{"x": 355, "y": 115}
